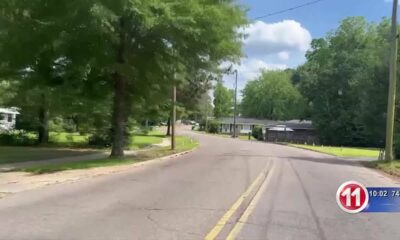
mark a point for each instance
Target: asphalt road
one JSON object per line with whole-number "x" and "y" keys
{"x": 185, "y": 198}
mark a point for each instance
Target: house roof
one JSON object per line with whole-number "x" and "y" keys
{"x": 9, "y": 110}
{"x": 293, "y": 124}
{"x": 249, "y": 121}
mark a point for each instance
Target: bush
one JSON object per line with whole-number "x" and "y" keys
{"x": 17, "y": 138}
{"x": 100, "y": 139}
{"x": 257, "y": 132}
{"x": 213, "y": 127}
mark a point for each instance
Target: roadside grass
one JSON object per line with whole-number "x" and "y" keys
{"x": 342, "y": 151}
{"x": 246, "y": 137}
{"x": 139, "y": 141}
{"x": 68, "y": 139}
{"x": 392, "y": 168}
{"x": 23, "y": 154}
{"x": 76, "y": 146}
{"x": 182, "y": 144}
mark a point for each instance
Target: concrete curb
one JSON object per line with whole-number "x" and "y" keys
{"x": 161, "y": 159}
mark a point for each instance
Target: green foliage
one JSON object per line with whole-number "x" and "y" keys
{"x": 133, "y": 50}
{"x": 223, "y": 101}
{"x": 17, "y": 138}
{"x": 345, "y": 83}
{"x": 213, "y": 127}
{"x": 272, "y": 96}
{"x": 100, "y": 139}
{"x": 342, "y": 151}
{"x": 257, "y": 132}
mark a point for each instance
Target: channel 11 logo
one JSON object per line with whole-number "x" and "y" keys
{"x": 352, "y": 197}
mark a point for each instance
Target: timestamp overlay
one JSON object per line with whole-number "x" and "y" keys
{"x": 354, "y": 197}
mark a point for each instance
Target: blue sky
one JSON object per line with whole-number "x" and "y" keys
{"x": 281, "y": 41}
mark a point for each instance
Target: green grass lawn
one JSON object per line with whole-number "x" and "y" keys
{"x": 246, "y": 137}
{"x": 23, "y": 154}
{"x": 139, "y": 141}
{"x": 182, "y": 144}
{"x": 68, "y": 139}
{"x": 63, "y": 139}
{"x": 342, "y": 151}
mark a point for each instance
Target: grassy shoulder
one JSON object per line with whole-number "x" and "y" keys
{"x": 341, "y": 151}
{"x": 246, "y": 137}
{"x": 24, "y": 154}
{"x": 68, "y": 145}
{"x": 139, "y": 141}
{"x": 392, "y": 168}
{"x": 182, "y": 144}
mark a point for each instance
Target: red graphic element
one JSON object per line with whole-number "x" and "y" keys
{"x": 352, "y": 197}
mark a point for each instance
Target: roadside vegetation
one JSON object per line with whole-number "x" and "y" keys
{"x": 65, "y": 145}
{"x": 341, "y": 151}
{"x": 182, "y": 144}
{"x": 116, "y": 71}
{"x": 392, "y": 168}
{"x": 23, "y": 154}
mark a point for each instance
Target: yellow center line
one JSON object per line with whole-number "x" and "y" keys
{"x": 224, "y": 220}
{"x": 243, "y": 219}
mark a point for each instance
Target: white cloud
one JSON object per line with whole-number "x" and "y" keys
{"x": 284, "y": 55}
{"x": 271, "y": 38}
{"x": 270, "y": 46}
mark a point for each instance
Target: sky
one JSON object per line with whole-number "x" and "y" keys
{"x": 281, "y": 41}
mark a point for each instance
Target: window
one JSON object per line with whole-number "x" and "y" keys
{"x": 10, "y": 117}
{"x": 2, "y": 116}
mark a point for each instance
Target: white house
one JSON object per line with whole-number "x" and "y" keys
{"x": 8, "y": 117}
{"x": 243, "y": 125}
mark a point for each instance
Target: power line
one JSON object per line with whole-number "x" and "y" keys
{"x": 288, "y": 9}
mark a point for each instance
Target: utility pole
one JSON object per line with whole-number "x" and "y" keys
{"x": 173, "y": 119}
{"x": 392, "y": 86}
{"x": 235, "y": 107}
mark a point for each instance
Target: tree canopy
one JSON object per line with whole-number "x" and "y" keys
{"x": 129, "y": 51}
{"x": 345, "y": 81}
{"x": 223, "y": 101}
{"x": 272, "y": 96}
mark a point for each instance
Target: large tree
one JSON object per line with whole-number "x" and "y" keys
{"x": 272, "y": 96}
{"x": 345, "y": 82}
{"x": 223, "y": 101}
{"x": 140, "y": 47}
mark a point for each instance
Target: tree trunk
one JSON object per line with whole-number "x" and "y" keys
{"x": 43, "y": 129}
{"x": 120, "y": 115}
{"x": 169, "y": 126}
{"x": 121, "y": 101}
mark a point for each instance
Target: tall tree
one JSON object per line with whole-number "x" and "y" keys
{"x": 272, "y": 96}
{"x": 223, "y": 101}
{"x": 345, "y": 83}
{"x": 139, "y": 46}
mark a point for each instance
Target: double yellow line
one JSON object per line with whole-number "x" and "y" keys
{"x": 253, "y": 191}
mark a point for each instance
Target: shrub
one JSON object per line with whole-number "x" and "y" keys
{"x": 257, "y": 132}
{"x": 17, "y": 138}
{"x": 213, "y": 127}
{"x": 100, "y": 139}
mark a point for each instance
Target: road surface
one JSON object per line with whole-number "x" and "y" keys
{"x": 186, "y": 197}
